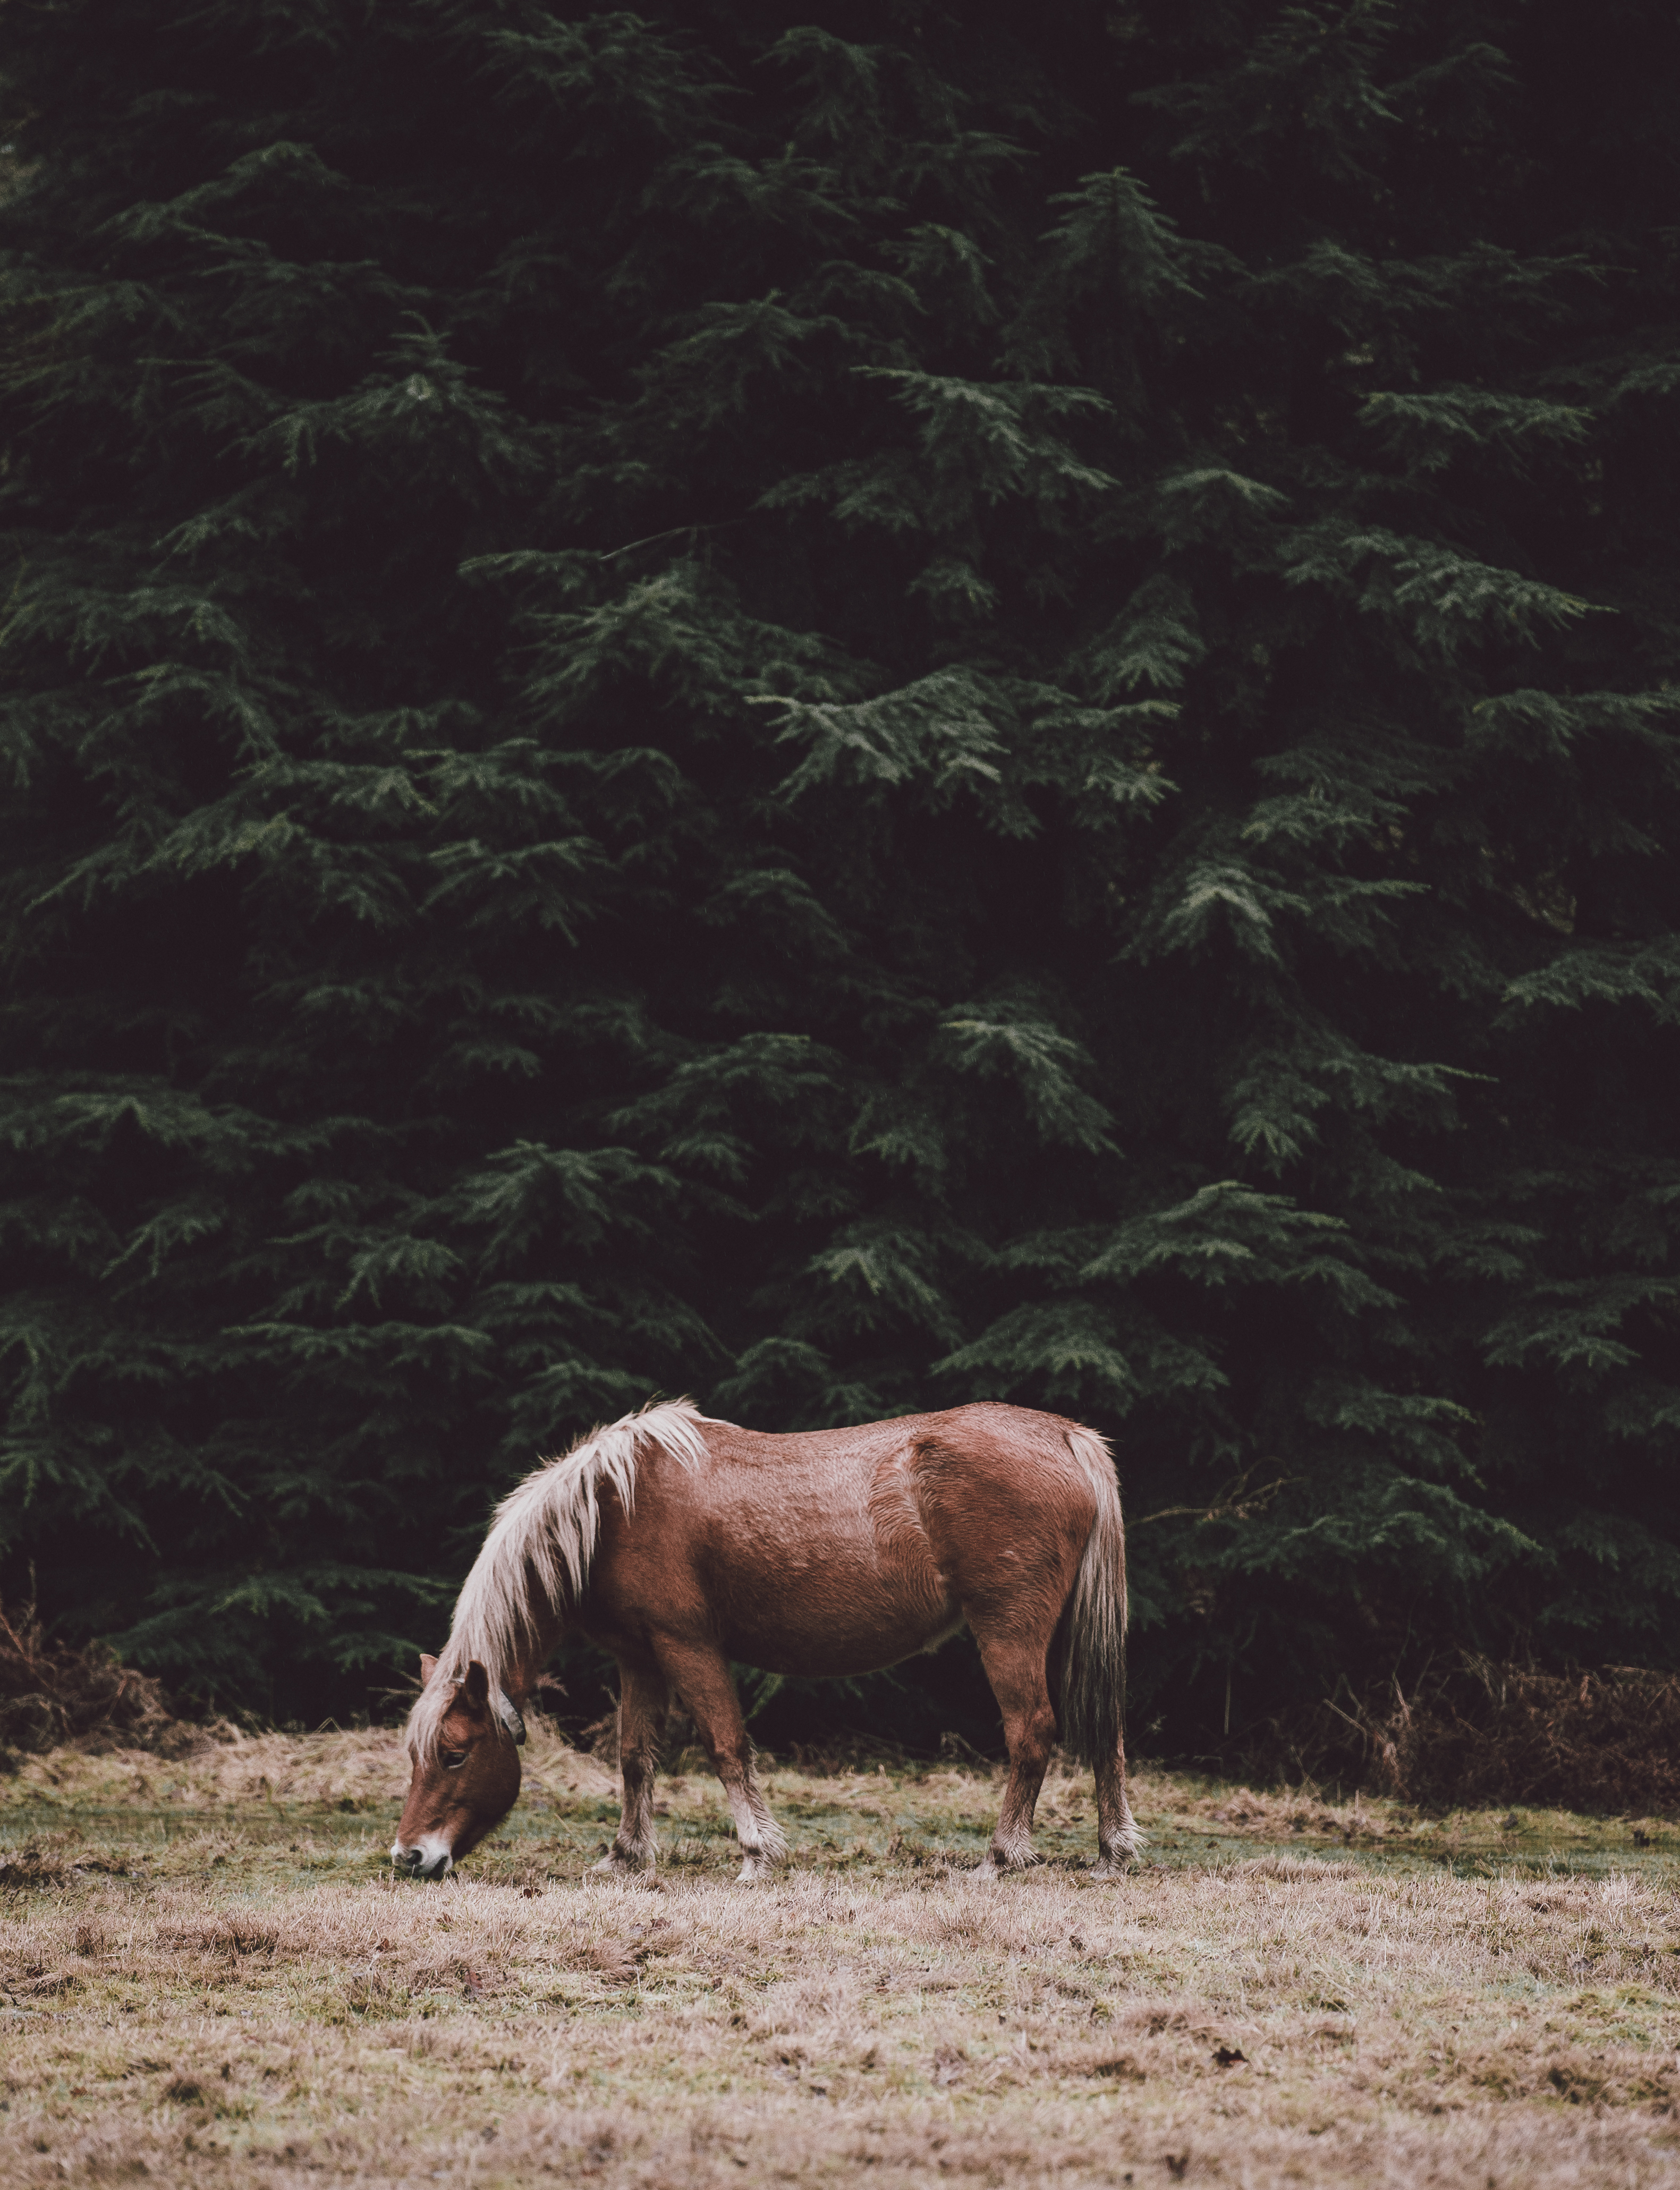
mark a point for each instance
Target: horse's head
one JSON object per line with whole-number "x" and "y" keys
{"x": 465, "y": 1781}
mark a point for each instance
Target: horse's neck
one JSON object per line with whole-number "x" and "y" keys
{"x": 543, "y": 1627}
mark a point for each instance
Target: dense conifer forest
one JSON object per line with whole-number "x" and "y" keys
{"x": 843, "y": 710}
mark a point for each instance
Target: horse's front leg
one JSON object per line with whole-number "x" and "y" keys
{"x": 702, "y": 1680}
{"x": 644, "y": 1699}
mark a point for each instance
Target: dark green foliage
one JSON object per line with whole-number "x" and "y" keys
{"x": 943, "y": 703}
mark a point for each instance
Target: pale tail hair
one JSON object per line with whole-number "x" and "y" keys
{"x": 544, "y": 1533}
{"x": 1092, "y": 1708}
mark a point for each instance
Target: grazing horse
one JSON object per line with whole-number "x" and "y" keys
{"x": 678, "y": 1543}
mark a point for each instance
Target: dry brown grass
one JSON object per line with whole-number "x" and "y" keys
{"x": 205, "y": 1976}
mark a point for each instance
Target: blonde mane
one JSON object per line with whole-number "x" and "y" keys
{"x": 545, "y": 1531}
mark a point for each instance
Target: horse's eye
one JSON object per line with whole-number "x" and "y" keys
{"x": 453, "y": 1759}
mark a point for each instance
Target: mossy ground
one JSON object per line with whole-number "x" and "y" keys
{"x": 207, "y": 1974}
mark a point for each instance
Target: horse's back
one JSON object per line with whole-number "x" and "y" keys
{"x": 1013, "y": 1435}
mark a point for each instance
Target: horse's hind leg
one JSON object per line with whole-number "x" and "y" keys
{"x": 1014, "y": 1665}
{"x": 702, "y": 1680}
{"x": 1118, "y": 1839}
{"x": 644, "y": 1699}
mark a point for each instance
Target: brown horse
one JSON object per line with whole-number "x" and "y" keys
{"x": 679, "y": 1543}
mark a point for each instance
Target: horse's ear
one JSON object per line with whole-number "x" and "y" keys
{"x": 476, "y": 1686}
{"x": 429, "y": 1665}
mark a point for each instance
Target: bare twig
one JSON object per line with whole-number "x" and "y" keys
{"x": 1235, "y": 1502}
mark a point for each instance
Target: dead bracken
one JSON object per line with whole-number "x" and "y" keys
{"x": 52, "y": 1693}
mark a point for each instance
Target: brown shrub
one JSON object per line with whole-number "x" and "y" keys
{"x": 1482, "y": 1734}
{"x": 51, "y": 1695}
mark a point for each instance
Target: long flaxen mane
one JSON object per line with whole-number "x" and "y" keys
{"x": 541, "y": 1541}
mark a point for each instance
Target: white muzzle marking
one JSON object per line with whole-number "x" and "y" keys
{"x": 430, "y": 1858}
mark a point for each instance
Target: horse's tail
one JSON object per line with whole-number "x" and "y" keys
{"x": 1091, "y": 1636}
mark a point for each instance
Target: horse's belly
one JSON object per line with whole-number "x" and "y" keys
{"x": 835, "y": 1616}
{"x": 834, "y": 1651}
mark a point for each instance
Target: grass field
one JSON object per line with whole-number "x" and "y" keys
{"x": 207, "y": 1975}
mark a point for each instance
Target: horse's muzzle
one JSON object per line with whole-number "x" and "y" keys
{"x": 427, "y": 1859}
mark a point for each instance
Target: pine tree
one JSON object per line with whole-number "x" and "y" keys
{"x": 924, "y": 706}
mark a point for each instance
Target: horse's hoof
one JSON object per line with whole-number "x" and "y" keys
{"x": 618, "y": 1866}
{"x": 995, "y": 1865}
